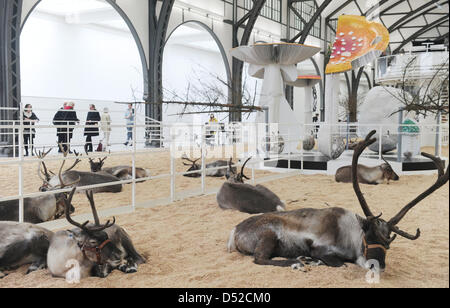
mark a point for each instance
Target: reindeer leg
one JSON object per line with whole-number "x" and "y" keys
{"x": 328, "y": 257}
{"x": 310, "y": 261}
{"x": 128, "y": 266}
{"x": 37, "y": 265}
{"x": 101, "y": 271}
{"x": 265, "y": 249}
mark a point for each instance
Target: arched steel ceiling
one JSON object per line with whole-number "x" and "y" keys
{"x": 406, "y": 20}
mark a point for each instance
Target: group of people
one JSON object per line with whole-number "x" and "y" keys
{"x": 66, "y": 119}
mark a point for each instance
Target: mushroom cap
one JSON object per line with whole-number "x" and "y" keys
{"x": 274, "y": 53}
{"x": 304, "y": 79}
{"x": 358, "y": 42}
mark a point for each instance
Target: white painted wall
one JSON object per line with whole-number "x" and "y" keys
{"x": 81, "y": 63}
{"x": 86, "y": 62}
{"x": 183, "y": 66}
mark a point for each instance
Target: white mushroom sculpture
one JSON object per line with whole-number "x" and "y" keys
{"x": 277, "y": 64}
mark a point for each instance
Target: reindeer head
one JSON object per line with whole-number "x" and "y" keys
{"x": 97, "y": 166}
{"x": 234, "y": 177}
{"x": 388, "y": 172}
{"x": 377, "y": 231}
{"x": 193, "y": 166}
{"x": 46, "y": 186}
{"x": 92, "y": 239}
{"x": 61, "y": 205}
{"x": 45, "y": 173}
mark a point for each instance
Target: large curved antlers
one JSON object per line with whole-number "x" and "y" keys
{"x": 84, "y": 226}
{"x": 230, "y": 165}
{"x": 243, "y": 167}
{"x": 67, "y": 202}
{"x": 357, "y": 152}
{"x": 41, "y": 155}
{"x": 193, "y": 162}
{"x": 441, "y": 181}
{"x": 98, "y": 226}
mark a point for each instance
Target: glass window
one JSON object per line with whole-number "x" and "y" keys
{"x": 271, "y": 10}
{"x": 306, "y": 9}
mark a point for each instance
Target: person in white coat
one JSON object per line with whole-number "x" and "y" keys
{"x": 105, "y": 125}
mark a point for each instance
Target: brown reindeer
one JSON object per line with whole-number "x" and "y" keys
{"x": 76, "y": 178}
{"x": 122, "y": 172}
{"x": 331, "y": 236}
{"x": 97, "y": 249}
{"x": 237, "y": 195}
{"x": 194, "y": 166}
{"x": 36, "y": 209}
{"x": 368, "y": 175}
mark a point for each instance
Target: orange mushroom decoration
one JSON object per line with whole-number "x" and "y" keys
{"x": 358, "y": 42}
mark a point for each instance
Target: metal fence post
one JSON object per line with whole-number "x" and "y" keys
{"x": 399, "y": 145}
{"x": 380, "y": 143}
{"x": 437, "y": 146}
{"x": 203, "y": 158}
{"x": 21, "y": 159}
{"x": 133, "y": 188}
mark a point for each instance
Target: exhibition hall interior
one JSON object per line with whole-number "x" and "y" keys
{"x": 258, "y": 143}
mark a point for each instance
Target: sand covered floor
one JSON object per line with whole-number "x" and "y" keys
{"x": 185, "y": 242}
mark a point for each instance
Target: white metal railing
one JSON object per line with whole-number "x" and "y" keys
{"x": 250, "y": 139}
{"x": 412, "y": 67}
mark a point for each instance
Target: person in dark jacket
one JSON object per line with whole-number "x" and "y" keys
{"x": 29, "y": 132}
{"x": 91, "y": 129}
{"x": 66, "y": 116}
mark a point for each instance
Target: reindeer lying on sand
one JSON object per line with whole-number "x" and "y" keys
{"x": 94, "y": 250}
{"x": 235, "y": 194}
{"x": 77, "y": 178}
{"x": 121, "y": 172}
{"x": 36, "y": 209}
{"x": 21, "y": 244}
{"x": 368, "y": 175}
{"x": 98, "y": 249}
{"x": 331, "y": 236}
{"x": 193, "y": 166}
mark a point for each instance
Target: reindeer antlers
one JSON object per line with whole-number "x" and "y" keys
{"x": 441, "y": 181}
{"x": 243, "y": 167}
{"x": 193, "y": 162}
{"x": 99, "y": 227}
{"x": 392, "y": 223}
{"x": 84, "y": 227}
{"x": 356, "y": 154}
{"x": 77, "y": 161}
{"x": 41, "y": 155}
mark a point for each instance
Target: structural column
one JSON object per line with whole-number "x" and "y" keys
{"x": 158, "y": 24}
{"x": 10, "y": 17}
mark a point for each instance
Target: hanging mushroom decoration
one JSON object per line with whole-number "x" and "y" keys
{"x": 358, "y": 43}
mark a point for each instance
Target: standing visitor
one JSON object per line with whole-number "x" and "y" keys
{"x": 29, "y": 132}
{"x": 91, "y": 130}
{"x": 105, "y": 125}
{"x": 129, "y": 116}
{"x": 66, "y": 119}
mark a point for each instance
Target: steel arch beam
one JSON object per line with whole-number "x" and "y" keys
{"x": 132, "y": 29}
{"x": 411, "y": 15}
{"x": 304, "y": 34}
{"x": 10, "y": 97}
{"x": 237, "y": 65}
{"x": 373, "y": 8}
{"x": 420, "y": 32}
{"x": 339, "y": 9}
{"x": 215, "y": 38}
{"x": 390, "y": 8}
{"x": 157, "y": 38}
